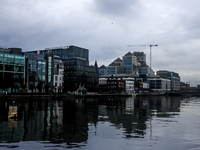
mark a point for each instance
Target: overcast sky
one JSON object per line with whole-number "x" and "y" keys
{"x": 107, "y": 27}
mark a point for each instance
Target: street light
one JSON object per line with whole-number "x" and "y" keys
{"x": 150, "y": 52}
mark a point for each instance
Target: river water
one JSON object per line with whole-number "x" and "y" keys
{"x": 142, "y": 123}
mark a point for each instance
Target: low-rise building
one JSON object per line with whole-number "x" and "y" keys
{"x": 160, "y": 85}
{"x": 129, "y": 85}
{"x": 173, "y": 77}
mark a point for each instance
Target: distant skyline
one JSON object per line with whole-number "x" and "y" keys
{"x": 107, "y": 27}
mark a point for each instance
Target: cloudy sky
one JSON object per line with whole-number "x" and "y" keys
{"x": 107, "y": 27}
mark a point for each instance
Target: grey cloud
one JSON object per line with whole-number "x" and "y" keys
{"x": 117, "y": 7}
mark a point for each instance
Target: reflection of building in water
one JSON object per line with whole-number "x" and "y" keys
{"x": 12, "y": 116}
{"x": 67, "y": 121}
{"x": 164, "y": 104}
{"x": 123, "y": 115}
{"x": 75, "y": 123}
{"x": 45, "y": 120}
{"x": 10, "y": 127}
{"x": 57, "y": 116}
{"x": 129, "y": 102}
{"x": 36, "y": 122}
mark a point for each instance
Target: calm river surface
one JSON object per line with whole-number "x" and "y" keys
{"x": 142, "y": 123}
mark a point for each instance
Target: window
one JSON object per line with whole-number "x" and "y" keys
{"x": 56, "y": 78}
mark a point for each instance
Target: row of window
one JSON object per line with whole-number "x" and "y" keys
{"x": 60, "y": 84}
{"x": 61, "y": 78}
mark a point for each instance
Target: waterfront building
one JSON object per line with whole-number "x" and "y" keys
{"x": 111, "y": 85}
{"x": 77, "y": 71}
{"x": 129, "y": 85}
{"x": 35, "y": 72}
{"x": 12, "y": 64}
{"x": 66, "y": 52}
{"x": 117, "y": 83}
{"x": 92, "y": 75}
{"x": 185, "y": 87}
{"x": 58, "y": 74}
{"x": 159, "y": 85}
{"x": 173, "y": 77}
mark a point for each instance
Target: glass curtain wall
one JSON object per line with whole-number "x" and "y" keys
{"x": 11, "y": 72}
{"x": 36, "y": 71}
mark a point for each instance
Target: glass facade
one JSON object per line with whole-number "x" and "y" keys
{"x": 174, "y": 77}
{"x": 76, "y": 67}
{"x": 11, "y": 71}
{"x": 127, "y": 64}
{"x": 130, "y": 64}
{"x": 35, "y": 72}
{"x": 78, "y": 73}
{"x": 111, "y": 70}
{"x": 67, "y": 52}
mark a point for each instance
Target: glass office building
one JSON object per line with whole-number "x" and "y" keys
{"x": 130, "y": 64}
{"x": 77, "y": 71}
{"x": 35, "y": 72}
{"x": 66, "y": 52}
{"x": 173, "y": 77}
{"x": 11, "y": 71}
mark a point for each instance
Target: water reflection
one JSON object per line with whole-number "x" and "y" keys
{"x": 68, "y": 122}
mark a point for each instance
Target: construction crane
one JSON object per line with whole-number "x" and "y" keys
{"x": 145, "y": 46}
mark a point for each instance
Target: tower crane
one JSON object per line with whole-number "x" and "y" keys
{"x": 151, "y": 45}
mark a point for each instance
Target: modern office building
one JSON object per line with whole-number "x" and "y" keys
{"x": 58, "y": 74}
{"x": 44, "y": 73}
{"x": 130, "y": 63}
{"x": 12, "y": 64}
{"x": 35, "y": 79}
{"x": 160, "y": 85}
{"x": 145, "y": 72}
{"x": 77, "y": 71}
{"x": 173, "y": 77}
{"x": 102, "y": 70}
{"x": 141, "y": 57}
{"x": 66, "y": 52}
{"x": 115, "y": 67}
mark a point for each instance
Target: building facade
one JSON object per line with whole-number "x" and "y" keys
{"x": 130, "y": 63}
{"x": 159, "y": 85}
{"x": 115, "y": 67}
{"x": 35, "y": 79}
{"x": 173, "y": 77}
{"x": 12, "y": 65}
{"x": 58, "y": 74}
{"x": 77, "y": 71}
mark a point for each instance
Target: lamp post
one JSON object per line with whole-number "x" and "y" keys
{"x": 150, "y": 52}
